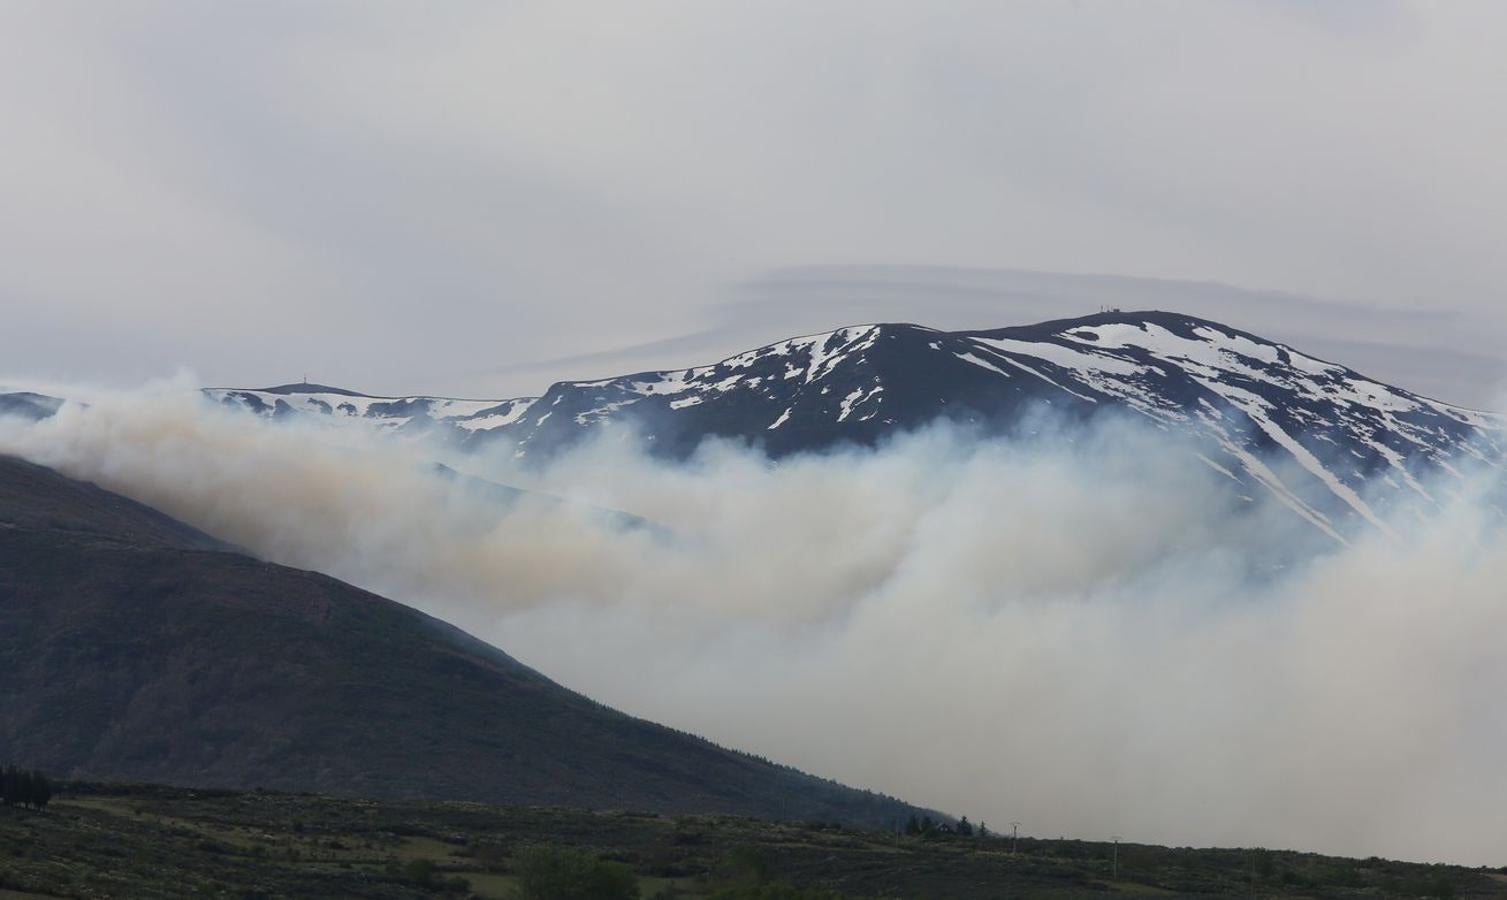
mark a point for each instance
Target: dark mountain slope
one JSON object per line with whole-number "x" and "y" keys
{"x": 132, "y": 647}
{"x": 35, "y": 499}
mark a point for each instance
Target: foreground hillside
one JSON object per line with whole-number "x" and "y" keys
{"x": 114, "y": 841}
{"x": 134, "y": 647}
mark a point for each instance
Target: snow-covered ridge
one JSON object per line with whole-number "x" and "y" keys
{"x": 381, "y": 412}
{"x": 1258, "y": 400}
{"x": 1318, "y": 436}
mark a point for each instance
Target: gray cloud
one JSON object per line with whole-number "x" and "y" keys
{"x": 415, "y": 199}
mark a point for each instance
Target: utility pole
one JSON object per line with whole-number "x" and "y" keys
{"x": 1014, "y": 838}
{"x": 1116, "y": 839}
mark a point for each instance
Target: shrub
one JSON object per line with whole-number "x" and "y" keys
{"x": 548, "y": 874}
{"x": 420, "y": 871}
{"x": 779, "y": 891}
{"x": 747, "y": 865}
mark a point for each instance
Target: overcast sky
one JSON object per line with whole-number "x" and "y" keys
{"x": 478, "y": 198}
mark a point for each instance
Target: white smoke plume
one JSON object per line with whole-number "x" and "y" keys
{"x": 1087, "y": 637}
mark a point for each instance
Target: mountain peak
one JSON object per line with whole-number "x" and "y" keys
{"x": 1318, "y": 436}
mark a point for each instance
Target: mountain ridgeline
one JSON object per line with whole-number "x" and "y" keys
{"x": 1335, "y": 447}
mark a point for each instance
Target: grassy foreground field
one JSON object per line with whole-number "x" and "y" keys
{"x": 167, "y": 842}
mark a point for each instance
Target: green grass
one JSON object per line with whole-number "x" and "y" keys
{"x": 153, "y": 842}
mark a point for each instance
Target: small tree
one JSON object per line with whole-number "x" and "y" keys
{"x": 25, "y": 788}
{"x": 964, "y": 828}
{"x": 10, "y": 785}
{"x": 912, "y": 825}
{"x": 41, "y": 790}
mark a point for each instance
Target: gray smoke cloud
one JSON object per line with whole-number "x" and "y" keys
{"x": 1067, "y": 634}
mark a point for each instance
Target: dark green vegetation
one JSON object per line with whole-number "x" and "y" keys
{"x": 165, "y": 842}
{"x": 24, "y": 787}
{"x": 134, "y": 647}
